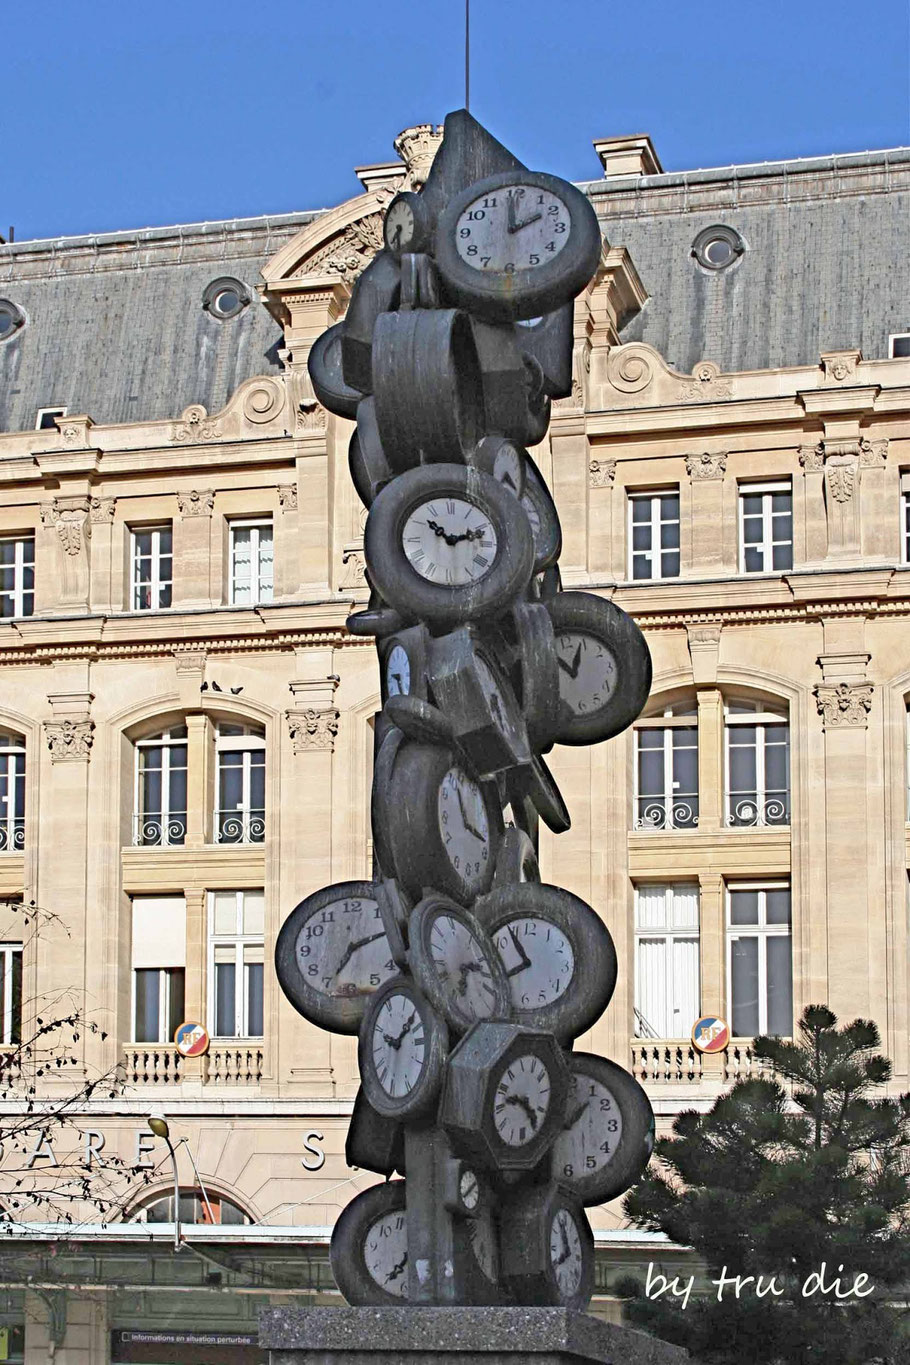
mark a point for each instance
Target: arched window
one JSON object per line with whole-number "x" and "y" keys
{"x": 12, "y": 792}
{"x": 159, "y": 811}
{"x": 666, "y": 767}
{"x": 240, "y": 815}
{"x": 756, "y": 762}
{"x": 196, "y": 1206}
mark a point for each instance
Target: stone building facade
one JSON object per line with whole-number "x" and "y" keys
{"x": 185, "y": 726}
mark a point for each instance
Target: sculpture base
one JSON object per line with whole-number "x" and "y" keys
{"x": 454, "y": 1336}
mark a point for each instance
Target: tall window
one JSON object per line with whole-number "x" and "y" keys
{"x": 160, "y": 804}
{"x": 766, "y": 527}
{"x": 153, "y": 567}
{"x": 905, "y": 523}
{"x": 240, "y": 817}
{"x": 666, "y": 769}
{"x": 12, "y": 792}
{"x": 654, "y": 535}
{"x": 759, "y": 959}
{"x": 667, "y": 991}
{"x": 10, "y": 993}
{"x": 159, "y": 967}
{"x": 17, "y": 575}
{"x": 236, "y": 951}
{"x": 757, "y": 757}
{"x": 251, "y": 562}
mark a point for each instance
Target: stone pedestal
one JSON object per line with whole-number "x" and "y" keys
{"x": 454, "y": 1336}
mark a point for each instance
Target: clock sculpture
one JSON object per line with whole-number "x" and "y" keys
{"x": 466, "y": 979}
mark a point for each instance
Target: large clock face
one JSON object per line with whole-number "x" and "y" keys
{"x": 566, "y": 1255}
{"x": 538, "y": 960}
{"x": 587, "y": 671}
{"x": 518, "y": 227}
{"x": 463, "y": 968}
{"x": 521, "y": 1100}
{"x": 342, "y": 949}
{"x": 593, "y": 1129}
{"x": 449, "y": 541}
{"x": 398, "y": 1045}
{"x": 398, "y": 672}
{"x": 385, "y": 1253}
{"x": 464, "y": 825}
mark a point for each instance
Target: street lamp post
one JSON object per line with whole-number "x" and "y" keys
{"x": 159, "y": 1126}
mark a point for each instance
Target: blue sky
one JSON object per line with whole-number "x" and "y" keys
{"x": 127, "y": 115}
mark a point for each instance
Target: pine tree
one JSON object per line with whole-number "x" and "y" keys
{"x": 803, "y": 1165}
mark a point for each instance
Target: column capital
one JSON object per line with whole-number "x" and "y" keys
{"x": 844, "y": 704}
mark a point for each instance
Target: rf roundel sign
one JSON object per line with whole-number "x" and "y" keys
{"x": 710, "y": 1033}
{"x": 191, "y": 1039}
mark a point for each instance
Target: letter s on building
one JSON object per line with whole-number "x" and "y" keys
{"x": 315, "y": 1156}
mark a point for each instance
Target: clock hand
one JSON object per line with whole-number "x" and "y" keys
{"x": 525, "y": 222}
{"x": 525, "y": 960}
{"x": 567, "y": 1250}
{"x": 510, "y": 208}
{"x": 570, "y": 1123}
{"x": 467, "y": 824}
{"x": 392, "y": 1042}
{"x": 396, "y": 240}
{"x": 397, "y": 1269}
{"x": 434, "y": 526}
{"x": 572, "y": 668}
{"x": 464, "y": 970}
{"x": 398, "y": 677}
{"x": 523, "y": 1103}
{"x": 407, "y": 1029}
{"x": 352, "y": 947}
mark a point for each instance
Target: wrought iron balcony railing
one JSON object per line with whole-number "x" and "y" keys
{"x": 665, "y": 812}
{"x": 12, "y": 835}
{"x": 758, "y": 808}
{"x": 240, "y": 826}
{"x": 156, "y": 828}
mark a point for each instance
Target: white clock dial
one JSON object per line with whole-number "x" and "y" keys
{"x": 593, "y": 1129}
{"x": 587, "y": 671}
{"x": 538, "y": 960}
{"x": 469, "y": 1189}
{"x": 398, "y": 672}
{"x": 385, "y": 1253}
{"x": 399, "y": 226}
{"x": 482, "y": 1236}
{"x": 398, "y": 1045}
{"x": 462, "y": 966}
{"x": 521, "y": 1100}
{"x": 464, "y": 825}
{"x": 449, "y": 541}
{"x": 342, "y": 949}
{"x": 565, "y": 1252}
{"x": 519, "y": 227}
{"x": 507, "y": 467}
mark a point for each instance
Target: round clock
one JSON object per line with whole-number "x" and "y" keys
{"x": 450, "y": 839}
{"x": 332, "y": 954}
{"x": 547, "y": 1248}
{"x": 522, "y": 1099}
{"x": 403, "y": 663}
{"x": 517, "y": 245}
{"x": 604, "y": 667}
{"x": 401, "y": 1051}
{"x": 607, "y": 1139}
{"x": 455, "y": 964}
{"x": 557, "y": 953}
{"x": 502, "y": 458}
{"x": 447, "y": 543}
{"x": 544, "y": 519}
{"x": 324, "y": 366}
{"x": 369, "y": 1247}
{"x": 408, "y": 224}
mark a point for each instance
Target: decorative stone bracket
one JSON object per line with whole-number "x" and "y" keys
{"x": 706, "y": 465}
{"x": 844, "y": 704}
{"x": 69, "y": 740}
{"x": 69, "y": 516}
{"x": 312, "y": 727}
{"x": 196, "y": 503}
{"x": 602, "y": 472}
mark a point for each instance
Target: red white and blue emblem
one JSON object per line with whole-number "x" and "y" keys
{"x": 710, "y": 1033}
{"x": 191, "y": 1039}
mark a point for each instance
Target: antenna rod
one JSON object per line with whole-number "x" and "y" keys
{"x": 467, "y": 55}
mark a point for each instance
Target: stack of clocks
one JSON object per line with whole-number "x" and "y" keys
{"x": 466, "y": 978}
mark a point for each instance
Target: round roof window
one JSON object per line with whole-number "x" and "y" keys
{"x": 225, "y": 298}
{"x": 11, "y": 319}
{"x": 717, "y": 247}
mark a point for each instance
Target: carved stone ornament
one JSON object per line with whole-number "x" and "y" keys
{"x": 263, "y": 401}
{"x": 417, "y": 148}
{"x": 70, "y": 518}
{"x": 630, "y": 369}
{"x": 844, "y": 703}
{"x": 841, "y": 480}
{"x": 102, "y": 509}
{"x": 353, "y": 574}
{"x": 311, "y": 415}
{"x": 705, "y": 384}
{"x": 349, "y": 253}
{"x": 873, "y": 454}
{"x": 602, "y": 473}
{"x": 313, "y": 727}
{"x": 196, "y": 503}
{"x": 706, "y": 466}
{"x": 287, "y": 497}
{"x": 189, "y": 660}
{"x": 812, "y": 458}
{"x": 840, "y": 365}
{"x": 69, "y": 740}
{"x": 194, "y": 425}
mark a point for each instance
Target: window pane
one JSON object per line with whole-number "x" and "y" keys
{"x": 225, "y": 1000}
{"x": 257, "y": 781}
{"x": 641, "y": 509}
{"x": 230, "y": 781}
{"x": 669, "y": 565}
{"x": 177, "y": 983}
{"x": 782, "y": 557}
{"x": 752, "y": 504}
{"x": 669, "y": 507}
{"x": 744, "y": 986}
{"x": 669, "y": 535}
{"x": 685, "y": 764}
{"x": 641, "y": 566}
{"x": 254, "y": 912}
{"x": 780, "y": 986}
{"x": 781, "y": 502}
{"x": 253, "y": 972}
{"x": 225, "y": 912}
{"x": 743, "y": 907}
{"x": 651, "y": 772}
{"x": 753, "y": 560}
{"x": 641, "y": 537}
{"x": 16, "y": 1026}
{"x": 148, "y": 980}
{"x": 777, "y": 906}
{"x": 777, "y": 764}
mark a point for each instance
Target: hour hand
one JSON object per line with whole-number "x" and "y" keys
{"x": 525, "y": 222}
{"x": 524, "y": 961}
{"x": 572, "y": 668}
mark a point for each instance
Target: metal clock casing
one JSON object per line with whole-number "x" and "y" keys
{"x": 542, "y": 515}
{"x": 401, "y": 1051}
{"x": 373, "y": 1142}
{"x": 324, "y": 367}
{"x": 369, "y": 1247}
{"x": 455, "y": 964}
{"x": 547, "y": 1248}
{"x": 604, "y": 667}
{"x": 408, "y": 224}
{"x": 470, "y": 688}
{"x": 403, "y": 663}
{"x": 608, "y": 1134}
{"x": 537, "y": 243}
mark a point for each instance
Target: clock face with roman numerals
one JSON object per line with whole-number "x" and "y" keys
{"x": 449, "y": 541}
{"x": 518, "y": 227}
{"x": 521, "y": 1100}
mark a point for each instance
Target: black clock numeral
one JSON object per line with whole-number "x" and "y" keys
{"x": 550, "y": 246}
{"x": 509, "y": 268}
{"x": 534, "y": 260}
{"x": 604, "y": 1104}
{"x": 541, "y": 199}
{"x": 464, "y": 232}
{"x": 554, "y": 209}
{"x": 485, "y": 261}
{"x": 605, "y": 1147}
{"x": 476, "y": 215}
{"x": 568, "y": 1169}
{"x": 472, "y": 251}
{"x": 559, "y": 227}
{"x": 490, "y": 203}
{"x": 612, "y": 1125}
{"x": 590, "y": 1162}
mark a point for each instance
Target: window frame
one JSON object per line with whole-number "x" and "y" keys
{"x": 668, "y": 934}
{"x": 256, "y": 525}
{"x": 655, "y": 522}
{"x": 164, "y": 1004}
{"x": 19, "y": 592}
{"x": 763, "y": 932}
{"x": 669, "y": 719}
{"x": 251, "y": 819}
{"x": 767, "y": 488}
{"x": 8, "y": 953}
{"x": 239, "y": 941}
{"x": 157, "y": 582}
{"x": 12, "y": 826}
{"x": 760, "y": 720}
{"x": 167, "y": 740}
{"x": 905, "y": 525}
{"x": 897, "y": 336}
{"x": 54, "y": 411}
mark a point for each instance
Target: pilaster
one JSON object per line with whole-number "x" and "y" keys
{"x": 193, "y": 531}
{"x": 706, "y": 472}
{"x": 200, "y": 779}
{"x": 710, "y": 758}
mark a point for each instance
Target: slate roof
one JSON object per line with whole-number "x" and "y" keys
{"x": 115, "y": 326}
